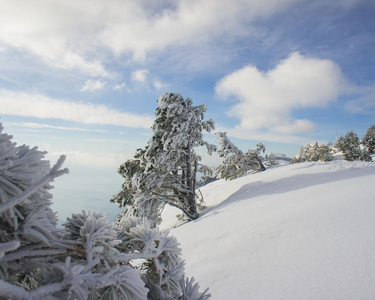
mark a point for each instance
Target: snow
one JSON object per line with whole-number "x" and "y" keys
{"x": 301, "y": 231}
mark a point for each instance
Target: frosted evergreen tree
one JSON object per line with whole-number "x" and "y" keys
{"x": 270, "y": 160}
{"x": 90, "y": 257}
{"x": 133, "y": 171}
{"x": 368, "y": 141}
{"x": 324, "y": 152}
{"x": 232, "y": 164}
{"x": 314, "y": 152}
{"x": 165, "y": 171}
{"x": 236, "y": 163}
{"x": 350, "y": 147}
{"x": 253, "y": 160}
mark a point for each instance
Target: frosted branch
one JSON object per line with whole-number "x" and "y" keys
{"x": 49, "y": 177}
{"x": 10, "y": 291}
{"x": 9, "y": 246}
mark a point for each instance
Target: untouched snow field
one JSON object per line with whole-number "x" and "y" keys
{"x": 302, "y": 231}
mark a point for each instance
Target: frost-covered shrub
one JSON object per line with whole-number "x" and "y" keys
{"x": 368, "y": 141}
{"x": 314, "y": 152}
{"x": 156, "y": 253}
{"x": 350, "y": 147}
{"x": 29, "y": 239}
{"x": 90, "y": 257}
{"x": 236, "y": 163}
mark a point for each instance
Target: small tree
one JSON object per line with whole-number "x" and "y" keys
{"x": 236, "y": 163}
{"x": 253, "y": 160}
{"x": 314, "y": 152}
{"x": 165, "y": 171}
{"x": 350, "y": 147}
{"x": 368, "y": 141}
{"x": 90, "y": 257}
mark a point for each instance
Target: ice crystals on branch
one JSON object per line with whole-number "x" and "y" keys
{"x": 90, "y": 258}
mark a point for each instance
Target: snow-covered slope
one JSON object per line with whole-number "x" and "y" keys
{"x": 302, "y": 231}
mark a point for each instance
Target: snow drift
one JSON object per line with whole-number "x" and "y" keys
{"x": 301, "y": 231}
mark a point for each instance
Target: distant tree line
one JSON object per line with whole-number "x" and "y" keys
{"x": 349, "y": 145}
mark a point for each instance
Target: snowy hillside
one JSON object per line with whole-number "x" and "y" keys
{"x": 302, "y": 231}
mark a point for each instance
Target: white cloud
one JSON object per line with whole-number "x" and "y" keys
{"x": 182, "y": 23}
{"x": 146, "y": 79}
{"x": 93, "y": 85}
{"x": 267, "y": 99}
{"x": 47, "y": 126}
{"x": 60, "y": 33}
{"x": 159, "y": 85}
{"x": 43, "y": 107}
{"x": 84, "y": 34}
{"x": 140, "y": 76}
{"x": 69, "y": 34}
{"x": 119, "y": 87}
{"x": 254, "y": 135}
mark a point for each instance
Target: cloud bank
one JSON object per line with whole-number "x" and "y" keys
{"x": 266, "y": 100}
{"x": 32, "y": 125}
{"x": 83, "y": 35}
{"x": 40, "y": 106}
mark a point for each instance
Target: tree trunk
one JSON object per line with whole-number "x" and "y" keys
{"x": 194, "y": 183}
{"x": 191, "y": 205}
{"x": 261, "y": 166}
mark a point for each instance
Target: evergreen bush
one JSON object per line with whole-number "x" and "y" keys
{"x": 90, "y": 257}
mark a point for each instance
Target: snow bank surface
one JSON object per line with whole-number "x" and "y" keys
{"x": 302, "y": 231}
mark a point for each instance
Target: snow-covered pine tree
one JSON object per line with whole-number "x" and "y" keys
{"x": 236, "y": 163}
{"x": 253, "y": 160}
{"x": 368, "y": 141}
{"x": 350, "y": 147}
{"x": 232, "y": 164}
{"x": 90, "y": 258}
{"x": 324, "y": 152}
{"x": 133, "y": 171}
{"x": 165, "y": 171}
{"x": 314, "y": 152}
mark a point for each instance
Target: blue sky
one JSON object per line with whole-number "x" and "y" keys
{"x": 82, "y": 77}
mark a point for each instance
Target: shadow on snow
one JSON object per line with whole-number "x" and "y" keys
{"x": 288, "y": 184}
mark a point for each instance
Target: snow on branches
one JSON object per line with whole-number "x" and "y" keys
{"x": 314, "y": 152}
{"x": 90, "y": 257}
{"x": 164, "y": 172}
{"x": 235, "y": 162}
{"x": 350, "y": 147}
{"x": 368, "y": 141}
